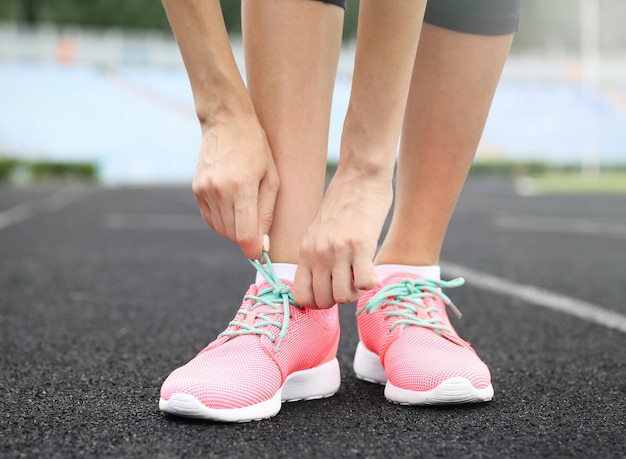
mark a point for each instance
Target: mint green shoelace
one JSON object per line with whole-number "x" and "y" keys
{"x": 409, "y": 296}
{"x": 278, "y": 296}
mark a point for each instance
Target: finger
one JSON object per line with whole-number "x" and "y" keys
{"x": 268, "y": 190}
{"x": 206, "y": 214}
{"x": 266, "y": 242}
{"x": 344, "y": 290}
{"x": 322, "y": 284}
{"x": 246, "y": 228}
{"x": 227, "y": 211}
{"x": 302, "y": 291}
{"x": 216, "y": 218}
{"x": 221, "y": 213}
{"x": 364, "y": 272}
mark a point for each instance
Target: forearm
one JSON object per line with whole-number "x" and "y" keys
{"x": 386, "y": 45}
{"x": 218, "y": 89}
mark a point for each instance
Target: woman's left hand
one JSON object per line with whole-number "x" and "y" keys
{"x": 336, "y": 255}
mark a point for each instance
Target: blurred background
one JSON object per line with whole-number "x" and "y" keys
{"x": 96, "y": 90}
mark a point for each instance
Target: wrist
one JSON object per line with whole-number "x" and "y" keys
{"x": 226, "y": 102}
{"x": 361, "y": 166}
{"x": 363, "y": 156}
{"x": 368, "y": 148}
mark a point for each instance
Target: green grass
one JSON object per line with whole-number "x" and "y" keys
{"x": 47, "y": 170}
{"x": 490, "y": 168}
{"x": 608, "y": 182}
{"x": 7, "y": 166}
{"x": 543, "y": 178}
{"x": 540, "y": 178}
{"x": 508, "y": 168}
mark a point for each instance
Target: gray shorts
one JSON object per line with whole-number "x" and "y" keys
{"x": 482, "y": 17}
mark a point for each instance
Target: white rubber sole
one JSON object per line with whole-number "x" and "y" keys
{"x": 457, "y": 390}
{"x": 315, "y": 383}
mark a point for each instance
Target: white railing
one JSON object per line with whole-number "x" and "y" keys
{"x": 101, "y": 48}
{"x": 113, "y": 48}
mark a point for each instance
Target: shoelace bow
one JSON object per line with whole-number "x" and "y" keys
{"x": 409, "y": 296}
{"x": 278, "y": 296}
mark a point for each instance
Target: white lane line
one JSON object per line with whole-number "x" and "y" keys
{"x": 154, "y": 222}
{"x": 561, "y": 225}
{"x": 49, "y": 204}
{"x": 578, "y": 308}
{"x": 16, "y": 214}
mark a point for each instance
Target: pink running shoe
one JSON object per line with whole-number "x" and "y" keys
{"x": 272, "y": 351}
{"x": 408, "y": 344}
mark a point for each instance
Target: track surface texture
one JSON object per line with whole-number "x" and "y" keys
{"x": 103, "y": 291}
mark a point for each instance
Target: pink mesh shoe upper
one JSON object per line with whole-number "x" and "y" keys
{"x": 416, "y": 357}
{"x": 235, "y": 374}
{"x": 248, "y": 362}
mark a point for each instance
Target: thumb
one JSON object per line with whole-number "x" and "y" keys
{"x": 266, "y": 243}
{"x": 266, "y": 200}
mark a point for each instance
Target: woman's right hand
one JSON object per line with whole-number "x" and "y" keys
{"x": 236, "y": 182}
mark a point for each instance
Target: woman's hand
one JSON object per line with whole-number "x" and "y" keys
{"x": 236, "y": 182}
{"x": 337, "y": 253}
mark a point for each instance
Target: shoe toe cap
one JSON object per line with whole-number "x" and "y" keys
{"x": 224, "y": 380}
{"x": 422, "y": 366}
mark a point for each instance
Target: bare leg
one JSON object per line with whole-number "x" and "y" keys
{"x": 454, "y": 79}
{"x": 292, "y": 48}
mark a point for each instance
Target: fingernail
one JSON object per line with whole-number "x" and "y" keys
{"x": 266, "y": 243}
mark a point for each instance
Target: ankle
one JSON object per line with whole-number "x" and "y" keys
{"x": 427, "y": 271}
{"x": 405, "y": 254}
{"x": 284, "y": 271}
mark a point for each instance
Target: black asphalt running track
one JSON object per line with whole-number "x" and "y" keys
{"x": 103, "y": 291}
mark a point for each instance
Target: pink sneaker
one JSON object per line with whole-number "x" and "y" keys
{"x": 272, "y": 351}
{"x": 408, "y": 344}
